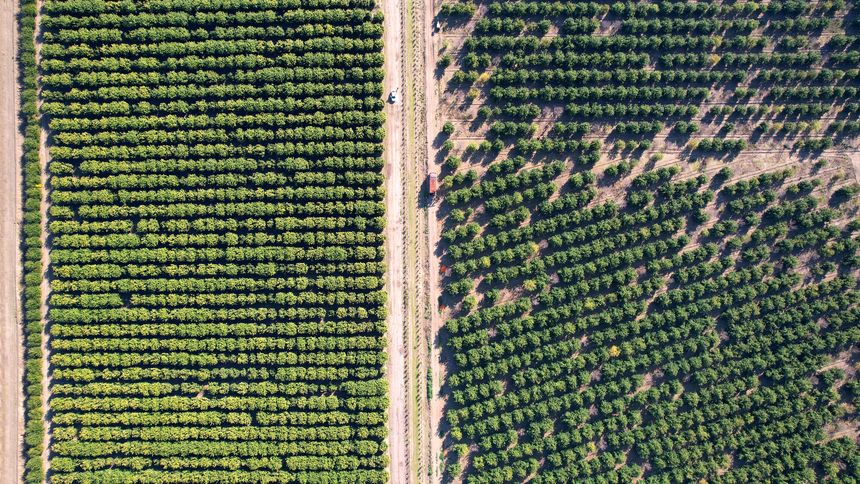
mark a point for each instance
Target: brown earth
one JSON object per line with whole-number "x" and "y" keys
{"x": 398, "y": 425}
{"x": 11, "y": 388}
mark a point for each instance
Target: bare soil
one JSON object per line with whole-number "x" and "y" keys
{"x": 398, "y": 425}
{"x": 12, "y": 370}
{"x": 433, "y": 41}
{"x": 44, "y": 205}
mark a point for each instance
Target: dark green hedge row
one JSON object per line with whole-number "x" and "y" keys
{"x": 31, "y": 245}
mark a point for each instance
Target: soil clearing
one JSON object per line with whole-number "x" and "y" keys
{"x": 11, "y": 388}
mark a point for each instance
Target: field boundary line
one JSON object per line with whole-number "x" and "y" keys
{"x": 12, "y": 331}
{"x": 45, "y": 285}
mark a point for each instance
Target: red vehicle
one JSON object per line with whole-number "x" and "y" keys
{"x": 432, "y": 184}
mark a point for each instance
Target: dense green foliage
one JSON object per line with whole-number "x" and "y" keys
{"x": 34, "y": 430}
{"x": 644, "y": 318}
{"x": 622, "y": 344}
{"x": 217, "y": 305}
{"x": 658, "y": 61}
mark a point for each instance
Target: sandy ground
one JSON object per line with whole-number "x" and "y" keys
{"x": 46, "y": 290}
{"x": 432, "y": 93}
{"x": 855, "y": 162}
{"x": 11, "y": 388}
{"x": 415, "y": 236}
{"x": 44, "y": 160}
{"x": 398, "y": 427}
{"x": 437, "y": 404}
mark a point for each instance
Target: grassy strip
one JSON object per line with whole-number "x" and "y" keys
{"x": 31, "y": 245}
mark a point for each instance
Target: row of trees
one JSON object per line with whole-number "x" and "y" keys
{"x": 644, "y": 329}
{"x": 31, "y": 247}
{"x": 569, "y": 77}
{"x": 534, "y": 344}
{"x": 217, "y": 311}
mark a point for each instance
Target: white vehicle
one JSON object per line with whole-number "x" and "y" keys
{"x": 393, "y": 96}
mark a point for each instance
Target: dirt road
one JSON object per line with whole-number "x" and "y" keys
{"x": 45, "y": 287}
{"x": 855, "y": 163}
{"x": 437, "y": 371}
{"x": 437, "y": 404}
{"x": 398, "y": 425}
{"x": 11, "y": 387}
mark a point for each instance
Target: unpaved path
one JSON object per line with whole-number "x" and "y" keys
{"x": 45, "y": 291}
{"x": 398, "y": 425}
{"x": 432, "y": 43}
{"x": 415, "y": 233}
{"x": 11, "y": 386}
{"x": 855, "y": 163}
{"x": 44, "y": 160}
{"x": 437, "y": 404}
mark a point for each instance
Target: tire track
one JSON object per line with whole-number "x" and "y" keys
{"x": 11, "y": 330}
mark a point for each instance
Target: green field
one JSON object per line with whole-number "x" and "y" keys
{"x": 649, "y": 216}
{"x": 650, "y": 225}
{"x": 217, "y": 304}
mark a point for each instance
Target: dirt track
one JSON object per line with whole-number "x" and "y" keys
{"x": 11, "y": 387}
{"x": 398, "y": 425}
{"x": 436, "y": 410}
